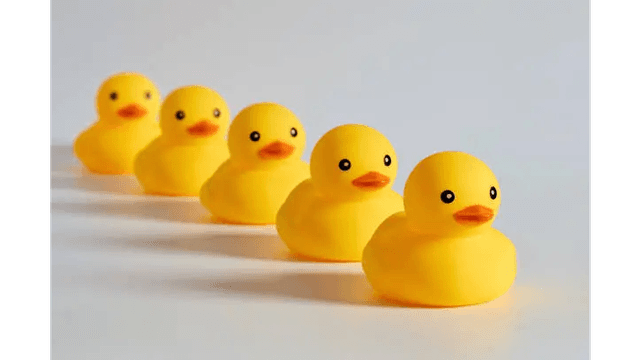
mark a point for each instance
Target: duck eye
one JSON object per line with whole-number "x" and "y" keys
{"x": 255, "y": 136}
{"x": 113, "y": 95}
{"x": 493, "y": 192}
{"x": 216, "y": 112}
{"x": 180, "y": 115}
{"x": 344, "y": 164}
{"x": 387, "y": 160}
{"x": 447, "y": 196}
{"x": 147, "y": 94}
{"x": 294, "y": 132}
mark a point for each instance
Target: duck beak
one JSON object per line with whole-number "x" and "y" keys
{"x": 203, "y": 128}
{"x": 371, "y": 181}
{"x": 474, "y": 215}
{"x": 132, "y": 111}
{"x": 277, "y": 150}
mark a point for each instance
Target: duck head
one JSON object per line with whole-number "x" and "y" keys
{"x": 353, "y": 161}
{"x": 451, "y": 192}
{"x": 194, "y": 113}
{"x": 266, "y": 135}
{"x": 127, "y": 97}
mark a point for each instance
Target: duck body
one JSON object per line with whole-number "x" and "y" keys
{"x": 332, "y": 215}
{"x": 266, "y": 141}
{"x": 166, "y": 168}
{"x": 407, "y": 266}
{"x": 442, "y": 249}
{"x": 317, "y": 226}
{"x": 107, "y": 149}
{"x": 193, "y": 121}
{"x": 127, "y": 105}
{"x": 237, "y": 194}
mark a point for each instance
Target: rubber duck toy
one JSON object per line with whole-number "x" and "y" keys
{"x": 266, "y": 142}
{"x": 127, "y": 105}
{"x": 442, "y": 250}
{"x": 332, "y": 215}
{"x": 194, "y": 121}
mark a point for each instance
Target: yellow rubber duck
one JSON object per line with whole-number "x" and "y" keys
{"x": 442, "y": 250}
{"x": 127, "y": 105}
{"x": 266, "y": 142}
{"x": 333, "y": 215}
{"x": 194, "y": 121}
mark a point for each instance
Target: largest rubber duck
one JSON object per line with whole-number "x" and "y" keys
{"x": 194, "y": 121}
{"x": 442, "y": 250}
{"x": 332, "y": 215}
{"x": 266, "y": 141}
{"x": 127, "y": 106}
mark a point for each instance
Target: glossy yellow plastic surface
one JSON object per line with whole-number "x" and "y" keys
{"x": 442, "y": 250}
{"x": 127, "y": 106}
{"x": 266, "y": 142}
{"x": 333, "y": 215}
{"x": 194, "y": 121}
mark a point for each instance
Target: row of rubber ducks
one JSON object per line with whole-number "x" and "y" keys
{"x": 433, "y": 246}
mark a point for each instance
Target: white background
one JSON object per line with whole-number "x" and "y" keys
{"x": 506, "y": 81}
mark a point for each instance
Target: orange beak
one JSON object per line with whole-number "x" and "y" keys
{"x": 203, "y": 128}
{"x": 371, "y": 181}
{"x": 277, "y": 150}
{"x": 474, "y": 215}
{"x": 132, "y": 111}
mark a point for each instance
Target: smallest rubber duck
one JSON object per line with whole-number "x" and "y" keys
{"x": 266, "y": 141}
{"x": 332, "y": 215}
{"x": 194, "y": 121}
{"x": 127, "y": 106}
{"x": 442, "y": 250}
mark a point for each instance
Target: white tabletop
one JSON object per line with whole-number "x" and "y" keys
{"x": 142, "y": 277}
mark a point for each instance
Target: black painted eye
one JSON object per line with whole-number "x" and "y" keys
{"x": 493, "y": 193}
{"x": 216, "y": 112}
{"x": 147, "y": 94}
{"x": 344, "y": 165}
{"x": 447, "y": 196}
{"x": 113, "y": 95}
{"x": 180, "y": 115}
{"x": 387, "y": 160}
{"x": 294, "y": 132}
{"x": 255, "y": 136}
